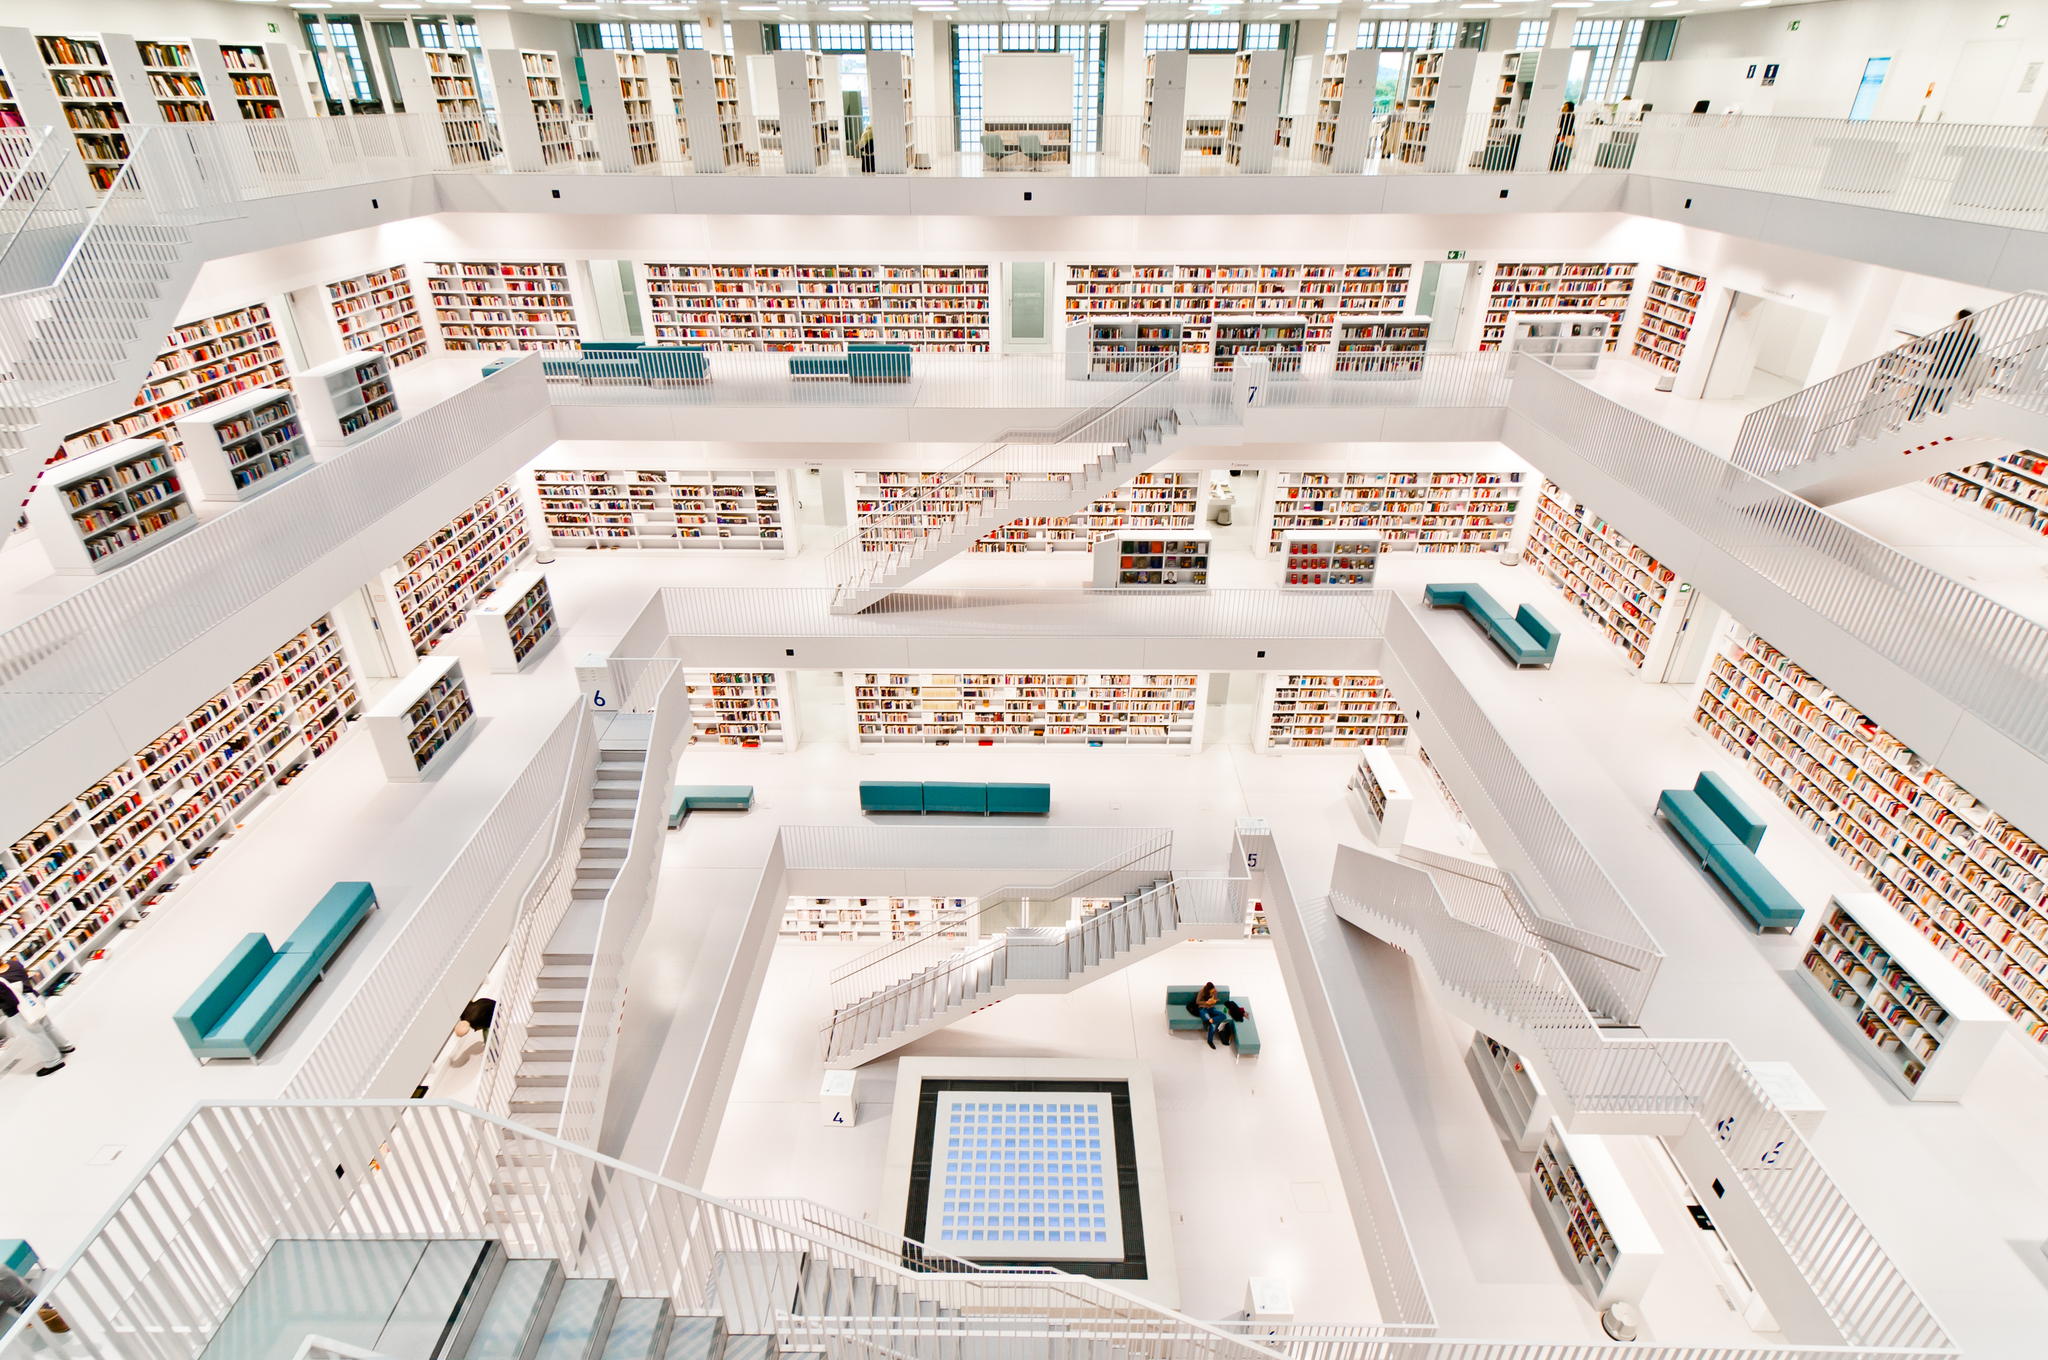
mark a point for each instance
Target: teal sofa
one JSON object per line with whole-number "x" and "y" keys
{"x": 1724, "y": 835}
{"x": 861, "y": 363}
{"x": 944, "y": 796}
{"x": 628, "y": 361}
{"x": 1524, "y": 637}
{"x": 689, "y": 798}
{"x": 243, "y": 1003}
{"x": 1177, "y": 1017}
{"x": 18, "y": 1256}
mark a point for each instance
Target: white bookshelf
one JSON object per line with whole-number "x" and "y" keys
{"x": 444, "y": 82}
{"x": 25, "y": 101}
{"x": 1123, "y": 347}
{"x": 1198, "y": 296}
{"x": 622, "y": 103}
{"x": 202, "y": 362}
{"x": 711, "y": 103}
{"x": 96, "y": 104}
{"x": 1959, "y": 873}
{"x": 892, "y": 117}
{"x": 1283, "y": 341}
{"x": 1327, "y": 560}
{"x": 1205, "y": 136}
{"x": 1621, "y": 588}
{"x": 820, "y": 308}
{"x": 246, "y": 445}
{"x": 671, "y": 115}
{"x": 742, "y": 708}
{"x": 379, "y": 311}
{"x": 805, "y": 115}
{"x": 1670, "y": 306}
{"x": 1093, "y": 708}
{"x": 172, "y": 75}
{"x": 503, "y": 305}
{"x": 1162, "y": 137}
{"x": 1153, "y": 562}
{"x": 104, "y": 509}
{"x": 533, "y": 107}
{"x": 1435, "y": 95}
{"x": 348, "y": 399}
{"x": 1413, "y": 511}
{"x": 895, "y": 508}
{"x": 1308, "y": 710}
{"x": 517, "y": 622}
{"x": 840, "y": 919}
{"x": 420, "y": 725}
{"x": 1601, "y": 288}
{"x": 1382, "y": 798}
{"x": 1902, "y": 1003}
{"x": 1521, "y": 1107}
{"x": 1344, "y": 110}
{"x": 2013, "y": 487}
{"x": 1252, "y": 131}
{"x": 664, "y": 508}
{"x": 1593, "y": 1218}
{"x": 1377, "y": 350}
{"x": 110, "y": 854}
{"x": 1567, "y": 341}
{"x": 431, "y": 590}
{"x": 259, "y": 77}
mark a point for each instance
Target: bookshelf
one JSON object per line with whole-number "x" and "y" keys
{"x": 1198, "y": 296}
{"x": 109, "y": 855}
{"x": 1161, "y": 138}
{"x": 893, "y": 117}
{"x": 660, "y": 508}
{"x": 1205, "y": 136}
{"x": 11, "y": 115}
{"x": 1380, "y": 793}
{"x": 711, "y": 103}
{"x": 171, "y": 73}
{"x": 1521, "y": 1107}
{"x": 348, "y": 399}
{"x": 96, "y": 106}
{"x": 1341, "y": 560}
{"x": 805, "y": 115}
{"x": 1056, "y": 137}
{"x": 444, "y": 81}
{"x": 251, "y": 81}
{"x": 1307, "y": 710}
{"x": 533, "y": 108}
{"x": 1902, "y": 1004}
{"x": 1670, "y": 304}
{"x": 819, "y": 308}
{"x": 1617, "y": 585}
{"x": 240, "y": 448}
{"x": 840, "y": 919}
{"x": 671, "y": 117}
{"x": 420, "y": 726}
{"x": 104, "y": 509}
{"x": 742, "y": 708}
{"x": 1344, "y": 108}
{"x": 622, "y": 101}
{"x": 1094, "y": 708}
{"x": 500, "y": 305}
{"x": 1386, "y": 351}
{"x": 1585, "y": 1205}
{"x": 1568, "y": 342}
{"x": 378, "y": 311}
{"x": 517, "y": 622}
{"x": 1413, "y": 511}
{"x": 895, "y": 508}
{"x": 1956, "y": 871}
{"x": 1123, "y": 347}
{"x": 2013, "y": 487}
{"x": 1557, "y": 289}
{"x": 1282, "y": 340}
{"x": 1435, "y": 94}
{"x": 1156, "y": 563}
{"x": 431, "y": 590}
{"x": 1252, "y": 130}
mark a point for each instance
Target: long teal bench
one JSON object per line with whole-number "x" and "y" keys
{"x": 862, "y": 362}
{"x": 689, "y": 798}
{"x": 628, "y": 361}
{"x": 242, "y": 1004}
{"x": 1524, "y": 637}
{"x": 18, "y": 1256}
{"x": 879, "y": 795}
{"x": 1710, "y": 819}
{"x": 1177, "y": 1017}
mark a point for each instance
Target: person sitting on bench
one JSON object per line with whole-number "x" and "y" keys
{"x": 1214, "y": 1013}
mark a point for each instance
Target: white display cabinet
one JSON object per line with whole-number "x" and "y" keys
{"x": 1163, "y": 139}
{"x": 1329, "y": 560}
{"x": 1124, "y": 347}
{"x": 517, "y": 622}
{"x": 805, "y": 116}
{"x": 347, "y": 399}
{"x": 622, "y": 104}
{"x": 102, "y": 509}
{"x": 1568, "y": 343}
{"x": 1308, "y": 710}
{"x": 1252, "y": 132}
{"x": 1521, "y": 1107}
{"x": 1382, "y": 797}
{"x": 419, "y": 726}
{"x": 445, "y": 82}
{"x": 1344, "y": 108}
{"x": 1593, "y": 1218}
{"x": 711, "y": 107}
{"x": 1377, "y": 350}
{"x": 985, "y": 708}
{"x": 891, "y": 116}
{"x": 244, "y": 446}
{"x": 1282, "y": 340}
{"x": 1906, "y": 1007}
{"x": 1159, "y": 561}
{"x": 742, "y": 708}
{"x": 533, "y": 108}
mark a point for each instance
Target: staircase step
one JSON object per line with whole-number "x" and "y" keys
{"x": 639, "y": 1330}
{"x": 559, "y": 999}
{"x": 863, "y": 1301}
{"x": 512, "y": 1320}
{"x": 533, "y": 1102}
{"x": 693, "y": 1336}
{"x": 536, "y": 1073}
{"x": 447, "y": 1278}
{"x": 552, "y": 957}
{"x": 817, "y": 1283}
{"x": 541, "y": 1027}
{"x": 839, "y": 1294}
{"x": 581, "y": 1320}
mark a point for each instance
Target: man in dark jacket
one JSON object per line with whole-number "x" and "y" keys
{"x": 43, "y": 1045}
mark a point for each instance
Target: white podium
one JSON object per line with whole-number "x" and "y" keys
{"x": 835, "y": 1098}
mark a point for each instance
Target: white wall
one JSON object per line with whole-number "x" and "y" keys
{"x": 158, "y": 19}
{"x": 1955, "y": 47}
{"x": 1209, "y": 77}
{"x": 1027, "y": 85}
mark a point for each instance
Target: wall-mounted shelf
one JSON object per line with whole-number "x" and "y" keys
{"x": 1669, "y": 309}
{"x": 419, "y": 726}
{"x": 1198, "y": 296}
{"x": 2014, "y": 487}
{"x": 664, "y": 508}
{"x": 517, "y": 622}
{"x": 869, "y": 918}
{"x": 378, "y": 311}
{"x": 1153, "y": 563}
{"x": 1123, "y": 347}
{"x": 742, "y": 708}
{"x": 1091, "y": 708}
{"x": 1305, "y": 710}
{"x": 432, "y": 589}
{"x": 934, "y": 308}
{"x": 898, "y": 508}
{"x": 202, "y": 362}
{"x": 242, "y": 447}
{"x": 1383, "y": 351}
{"x": 1413, "y": 511}
{"x": 1622, "y": 589}
{"x": 481, "y": 305}
{"x": 1600, "y": 288}
{"x": 1329, "y": 559}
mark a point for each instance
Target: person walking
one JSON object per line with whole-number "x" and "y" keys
{"x": 1567, "y": 137}
{"x": 1949, "y": 360}
{"x": 44, "y": 1046}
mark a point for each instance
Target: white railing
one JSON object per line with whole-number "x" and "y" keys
{"x": 2000, "y": 352}
{"x": 45, "y": 203}
{"x": 822, "y": 1221}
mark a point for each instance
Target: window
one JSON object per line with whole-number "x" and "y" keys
{"x": 786, "y": 37}
{"x": 892, "y": 37}
{"x": 842, "y": 38}
{"x": 1408, "y": 34}
{"x": 834, "y": 37}
{"x": 1616, "y": 43}
{"x": 1166, "y": 37}
{"x": 1214, "y": 37}
{"x": 1532, "y": 33}
{"x": 344, "y": 39}
{"x": 612, "y": 37}
{"x": 971, "y": 42}
{"x": 1265, "y": 37}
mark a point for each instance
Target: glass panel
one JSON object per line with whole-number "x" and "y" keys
{"x": 1865, "y": 103}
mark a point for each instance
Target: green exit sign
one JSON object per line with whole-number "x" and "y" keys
{"x": 1454, "y": 254}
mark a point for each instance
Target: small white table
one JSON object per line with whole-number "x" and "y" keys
{"x": 835, "y": 1098}
{"x": 1861, "y": 165}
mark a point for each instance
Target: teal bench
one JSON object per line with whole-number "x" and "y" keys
{"x": 1177, "y": 1017}
{"x": 18, "y": 1256}
{"x": 689, "y": 798}
{"x": 942, "y": 796}
{"x": 243, "y": 1003}
{"x": 1524, "y": 637}
{"x": 1724, "y": 834}
{"x": 860, "y": 363}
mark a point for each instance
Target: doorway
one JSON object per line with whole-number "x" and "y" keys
{"x": 1024, "y": 316}
{"x": 1765, "y": 349}
{"x": 1441, "y": 298}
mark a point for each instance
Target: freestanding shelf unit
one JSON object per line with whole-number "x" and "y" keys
{"x": 97, "y": 511}
{"x": 1381, "y": 795}
{"x": 242, "y": 447}
{"x": 1253, "y": 129}
{"x": 1166, "y": 112}
{"x": 347, "y": 399}
{"x": 800, "y": 104}
{"x": 419, "y": 726}
{"x": 517, "y": 623}
{"x": 891, "y": 119}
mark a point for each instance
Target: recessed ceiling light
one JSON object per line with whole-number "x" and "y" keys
{"x": 770, "y": 9}
{"x": 582, "y": 7}
{"x": 1754, "y": 4}
{"x": 1478, "y": 6}
{"x": 1572, "y": 4}
{"x": 400, "y": 4}
{"x": 311, "y": 4}
{"x": 1392, "y": 6}
{"x": 490, "y": 7}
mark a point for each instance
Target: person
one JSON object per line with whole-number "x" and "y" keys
{"x": 867, "y": 150}
{"x": 1208, "y": 1007}
{"x": 1567, "y": 126}
{"x": 40, "y": 1041}
{"x": 1948, "y": 362}
{"x": 476, "y": 1019}
{"x": 15, "y": 1297}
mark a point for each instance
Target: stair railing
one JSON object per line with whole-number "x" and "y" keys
{"x": 2001, "y": 351}
{"x": 823, "y": 1221}
{"x": 44, "y": 204}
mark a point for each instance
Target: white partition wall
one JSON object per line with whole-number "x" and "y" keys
{"x": 891, "y": 116}
{"x": 533, "y": 107}
{"x": 1166, "y": 112}
{"x": 1252, "y": 132}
